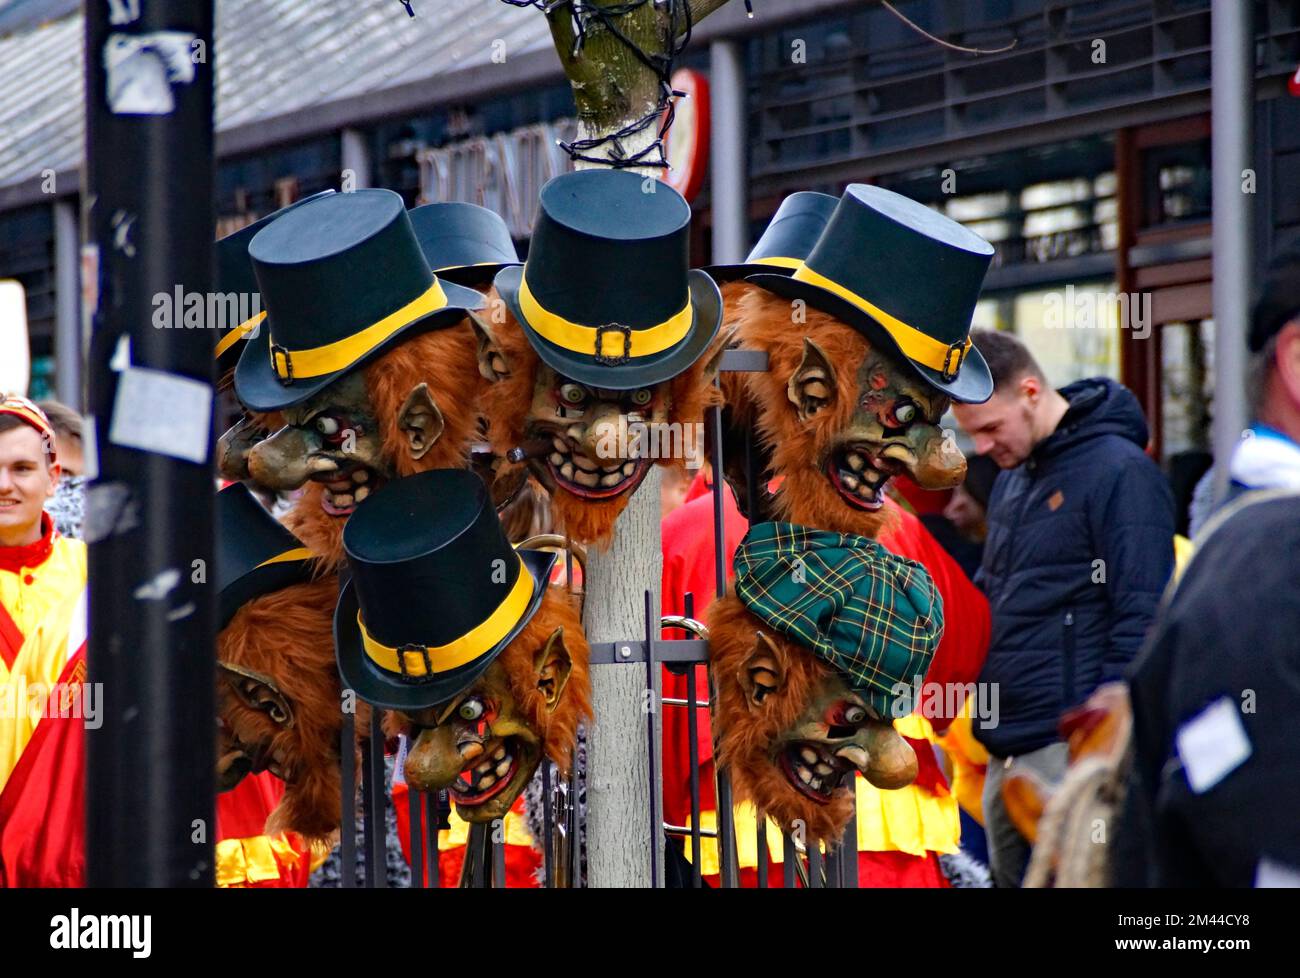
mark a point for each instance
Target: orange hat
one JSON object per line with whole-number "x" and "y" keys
{"x": 25, "y": 410}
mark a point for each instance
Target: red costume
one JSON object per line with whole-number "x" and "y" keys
{"x": 901, "y": 832}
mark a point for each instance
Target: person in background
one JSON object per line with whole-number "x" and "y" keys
{"x": 1215, "y": 782}
{"x": 42, "y": 647}
{"x": 1268, "y": 457}
{"x": 1079, "y": 549}
{"x": 69, "y": 502}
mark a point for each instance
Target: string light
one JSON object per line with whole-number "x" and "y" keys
{"x": 680, "y": 23}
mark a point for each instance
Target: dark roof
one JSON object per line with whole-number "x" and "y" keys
{"x": 273, "y": 58}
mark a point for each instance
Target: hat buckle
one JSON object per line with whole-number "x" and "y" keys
{"x": 950, "y": 370}
{"x": 612, "y": 359}
{"x": 285, "y": 376}
{"x": 401, "y": 662}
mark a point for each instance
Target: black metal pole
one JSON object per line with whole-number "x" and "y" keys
{"x": 433, "y": 816}
{"x": 727, "y": 859}
{"x": 348, "y": 799}
{"x": 414, "y": 810}
{"x": 652, "y": 738}
{"x": 149, "y": 221}
{"x": 693, "y": 751}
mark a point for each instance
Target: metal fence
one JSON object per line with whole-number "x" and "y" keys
{"x": 811, "y": 865}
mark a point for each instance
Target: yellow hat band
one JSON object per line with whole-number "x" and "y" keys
{"x": 612, "y": 344}
{"x": 421, "y": 661}
{"x": 291, "y": 365}
{"x": 237, "y": 333}
{"x": 297, "y": 553}
{"x": 914, "y": 344}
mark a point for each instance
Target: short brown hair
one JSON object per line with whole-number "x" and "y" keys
{"x": 64, "y": 420}
{"x": 1008, "y": 358}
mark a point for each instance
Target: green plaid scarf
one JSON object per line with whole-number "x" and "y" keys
{"x": 872, "y": 615}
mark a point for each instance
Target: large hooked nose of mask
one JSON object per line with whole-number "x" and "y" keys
{"x": 880, "y": 753}
{"x": 439, "y": 754}
{"x": 601, "y": 439}
{"x": 931, "y": 457}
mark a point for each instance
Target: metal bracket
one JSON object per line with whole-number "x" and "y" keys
{"x": 666, "y": 651}
{"x": 744, "y": 361}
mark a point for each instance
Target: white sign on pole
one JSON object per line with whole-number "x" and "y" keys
{"x": 15, "y": 352}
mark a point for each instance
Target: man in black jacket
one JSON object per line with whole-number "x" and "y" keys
{"x": 1079, "y": 548}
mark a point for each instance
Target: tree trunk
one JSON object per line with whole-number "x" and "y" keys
{"x": 619, "y": 796}
{"x": 613, "y": 88}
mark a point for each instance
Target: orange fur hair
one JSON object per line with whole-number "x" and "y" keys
{"x": 445, "y": 360}
{"x": 507, "y": 402}
{"x": 746, "y": 736}
{"x": 797, "y": 447}
{"x": 558, "y": 730}
{"x": 288, "y": 635}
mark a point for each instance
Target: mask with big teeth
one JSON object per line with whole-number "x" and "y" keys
{"x": 791, "y": 731}
{"x": 836, "y": 417}
{"x": 484, "y": 744}
{"x": 278, "y": 703}
{"x": 581, "y": 441}
{"x": 413, "y": 409}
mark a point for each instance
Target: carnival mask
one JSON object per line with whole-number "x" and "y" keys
{"x": 278, "y": 703}
{"x": 791, "y": 731}
{"x": 836, "y": 417}
{"x": 589, "y": 447}
{"x": 484, "y": 745}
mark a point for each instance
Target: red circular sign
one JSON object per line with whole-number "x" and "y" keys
{"x": 687, "y": 143}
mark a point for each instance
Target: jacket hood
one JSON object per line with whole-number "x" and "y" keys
{"x": 1098, "y": 406}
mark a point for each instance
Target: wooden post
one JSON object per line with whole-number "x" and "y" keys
{"x": 613, "y": 88}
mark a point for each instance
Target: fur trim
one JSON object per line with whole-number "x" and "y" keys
{"x": 558, "y": 730}
{"x": 289, "y": 636}
{"x": 745, "y": 738}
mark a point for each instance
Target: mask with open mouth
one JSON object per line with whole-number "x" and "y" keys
{"x": 836, "y": 418}
{"x": 589, "y": 447}
{"x": 791, "y": 731}
{"x": 485, "y": 744}
{"x": 278, "y": 703}
{"x": 411, "y": 410}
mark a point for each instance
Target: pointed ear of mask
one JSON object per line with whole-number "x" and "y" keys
{"x": 552, "y": 666}
{"x": 763, "y": 673}
{"x": 420, "y": 420}
{"x": 812, "y": 385}
{"x": 258, "y": 692}
{"x": 491, "y": 361}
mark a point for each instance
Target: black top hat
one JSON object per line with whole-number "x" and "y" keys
{"x": 436, "y": 591}
{"x": 606, "y": 297}
{"x": 464, "y": 243}
{"x": 235, "y": 275}
{"x": 255, "y": 554}
{"x": 343, "y": 280}
{"x": 789, "y": 236}
{"x": 902, "y": 274}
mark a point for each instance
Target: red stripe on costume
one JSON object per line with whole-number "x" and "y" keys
{"x": 42, "y": 807}
{"x": 11, "y": 639}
